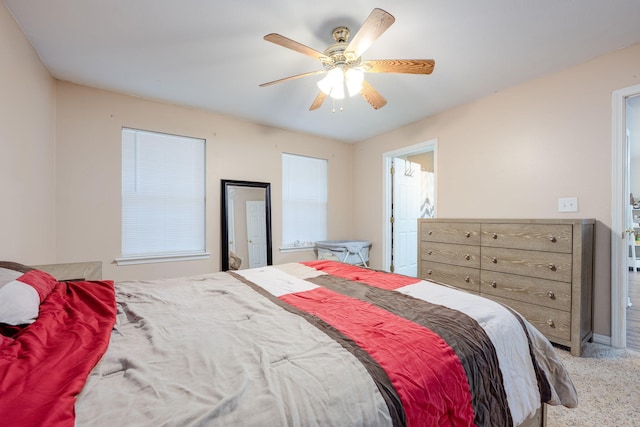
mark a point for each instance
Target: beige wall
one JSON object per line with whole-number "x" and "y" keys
{"x": 425, "y": 160}
{"x": 27, "y": 158}
{"x": 89, "y": 122}
{"x": 512, "y": 154}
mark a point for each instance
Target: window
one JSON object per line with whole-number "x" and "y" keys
{"x": 304, "y": 201}
{"x": 163, "y": 197}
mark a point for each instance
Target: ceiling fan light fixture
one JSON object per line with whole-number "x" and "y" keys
{"x": 353, "y": 79}
{"x": 337, "y": 78}
{"x": 333, "y": 83}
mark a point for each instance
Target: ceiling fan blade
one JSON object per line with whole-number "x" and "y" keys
{"x": 294, "y": 45}
{"x": 376, "y": 23}
{"x": 318, "y": 101}
{"x": 408, "y": 66}
{"x": 297, "y": 76}
{"x": 372, "y": 96}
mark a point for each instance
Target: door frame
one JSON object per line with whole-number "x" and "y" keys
{"x": 429, "y": 145}
{"x": 619, "y": 200}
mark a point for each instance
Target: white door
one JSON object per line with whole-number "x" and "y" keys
{"x": 406, "y": 211}
{"x": 256, "y": 234}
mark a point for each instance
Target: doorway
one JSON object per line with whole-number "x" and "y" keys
{"x": 632, "y": 121}
{"x": 622, "y": 222}
{"x": 409, "y": 194}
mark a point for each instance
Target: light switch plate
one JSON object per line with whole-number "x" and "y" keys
{"x": 568, "y": 204}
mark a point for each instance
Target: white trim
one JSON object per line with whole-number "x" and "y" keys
{"x": 601, "y": 339}
{"x": 162, "y": 258}
{"x": 619, "y": 200}
{"x": 297, "y": 248}
{"x": 429, "y": 145}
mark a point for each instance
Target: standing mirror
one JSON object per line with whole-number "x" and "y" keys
{"x": 246, "y": 224}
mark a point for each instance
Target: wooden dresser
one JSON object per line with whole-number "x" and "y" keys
{"x": 541, "y": 268}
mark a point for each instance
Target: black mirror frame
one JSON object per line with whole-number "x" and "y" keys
{"x": 224, "y": 247}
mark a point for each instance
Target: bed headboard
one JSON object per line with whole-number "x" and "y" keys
{"x": 91, "y": 270}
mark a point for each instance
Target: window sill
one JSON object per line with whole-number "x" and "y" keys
{"x": 297, "y": 248}
{"x": 162, "y": 258}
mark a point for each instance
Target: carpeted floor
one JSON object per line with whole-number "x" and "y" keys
{"x": 608, "y": 384}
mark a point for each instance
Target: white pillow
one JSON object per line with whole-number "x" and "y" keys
{"x": 22, "y": 290}
{"x": 19, "y": 303}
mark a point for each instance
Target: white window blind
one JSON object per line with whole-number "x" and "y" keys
{"x": 304, "y": 201}
{"x": 163, "y": 195}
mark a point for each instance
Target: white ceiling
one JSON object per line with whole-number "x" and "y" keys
{"x": 211, "y": 55}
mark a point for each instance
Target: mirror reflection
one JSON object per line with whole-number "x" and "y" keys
{"x": 246, "y": 225}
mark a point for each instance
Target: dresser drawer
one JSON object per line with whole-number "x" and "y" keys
{"x": 448, "y": 253}
{"x": 543, "y": 265}
{"x": 537, "y": 237}
{"x": 451, "y": 232}
{"x": 460, "y": 277}
{"x": 548, "y": 293}
{"x": 551, "y": 322}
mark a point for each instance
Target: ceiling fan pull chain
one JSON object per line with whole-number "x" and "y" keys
{"x": 333, "y": 108}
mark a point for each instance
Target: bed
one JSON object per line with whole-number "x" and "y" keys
{"x": 301, "y": 344}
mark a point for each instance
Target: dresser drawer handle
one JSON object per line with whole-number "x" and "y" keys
{"x": 467, "y": 234}
{"x": 495, "y": 236}
{"x": 551, "y": 295}
{"x": 467, "y": 279}
{"x": 429, "y": 252}
{"x": 429, "y": 232}
{"x": 552, "y": 239}
{"x": 494, "y": 260}
{"x": 494, "y": 284}
{"x": 467, "y": 257}
{"x": 551, "y": 323}
{"x": 552, "y": 267}
{"x": 429, "y": 272}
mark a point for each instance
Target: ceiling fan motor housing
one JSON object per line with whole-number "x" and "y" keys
{"x": 341, "y": 34}
{"x": 336, "y": 52}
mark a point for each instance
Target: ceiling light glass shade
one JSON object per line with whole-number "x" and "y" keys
{"x": 333, "y": 83}
{"x": 353, "y": 80}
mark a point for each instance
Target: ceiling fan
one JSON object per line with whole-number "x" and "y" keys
{"x": 344, "y": 66}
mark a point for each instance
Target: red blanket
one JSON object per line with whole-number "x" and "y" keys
{"x": 44, "y": 366}
{"x": 375, "y": 278}
{"x": 425, "y": 371}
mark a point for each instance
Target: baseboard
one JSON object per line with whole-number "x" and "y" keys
{"x": 601, "y": 339}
